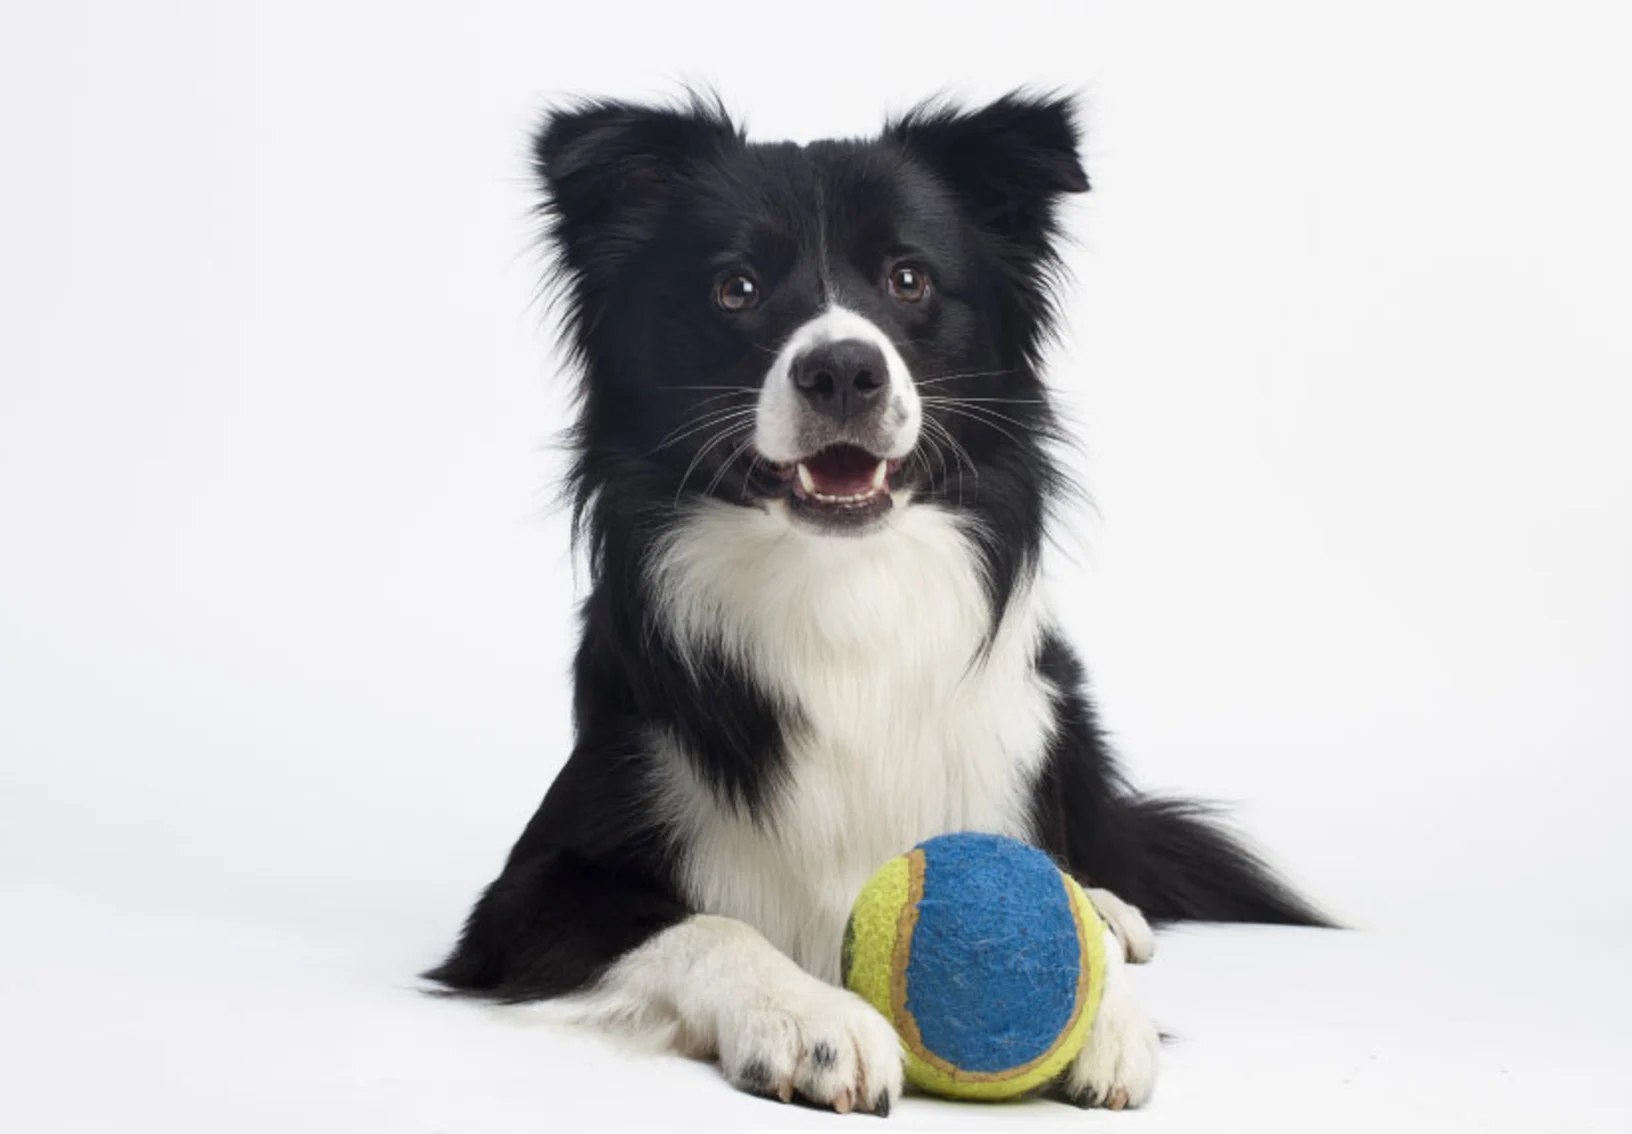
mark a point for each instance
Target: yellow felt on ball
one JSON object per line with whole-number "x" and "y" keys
{"x": 988, "y": 961}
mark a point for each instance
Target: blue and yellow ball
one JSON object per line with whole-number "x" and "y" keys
{"x": 987, "y": 958}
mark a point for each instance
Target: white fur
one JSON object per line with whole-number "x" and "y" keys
{"x": 781, "y": 408}
{"x": 1117, "y": 1067}
{"x": 876, "y": 644}
{"x": 714, "y": 987}
{"x": 1138, "y": 943}
{"x": 914, "y": 720}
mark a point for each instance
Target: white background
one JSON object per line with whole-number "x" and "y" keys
{"x": 286, "y": 610}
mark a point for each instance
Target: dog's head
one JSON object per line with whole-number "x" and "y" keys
{"x": 832, "y": 330}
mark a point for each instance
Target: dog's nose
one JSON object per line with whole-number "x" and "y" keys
{"x": 843, "y": 379}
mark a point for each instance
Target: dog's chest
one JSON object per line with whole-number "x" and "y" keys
{"x": 907, "y": 727}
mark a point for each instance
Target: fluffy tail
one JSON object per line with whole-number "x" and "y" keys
{"x": 1176, "y": 861}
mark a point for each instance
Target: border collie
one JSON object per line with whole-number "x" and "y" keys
{"x": 814, "y": 461}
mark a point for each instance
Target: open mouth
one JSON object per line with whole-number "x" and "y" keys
{"x": 842, "y": 483}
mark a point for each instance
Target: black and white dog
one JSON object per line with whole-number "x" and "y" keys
{"x": 813, "y": 469}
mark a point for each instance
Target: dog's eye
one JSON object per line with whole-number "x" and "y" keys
{"x": 736, "y": 293}
{"x": 909, "y": 284}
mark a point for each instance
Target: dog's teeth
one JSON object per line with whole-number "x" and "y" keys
{"x": 876, "y": 484}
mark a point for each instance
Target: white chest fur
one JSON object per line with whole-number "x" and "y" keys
{"x": 910, "y": 730}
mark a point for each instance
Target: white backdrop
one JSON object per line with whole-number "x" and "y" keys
{"x": 286, "y": 612}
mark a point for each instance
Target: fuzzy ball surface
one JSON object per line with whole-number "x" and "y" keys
{"x": 987, "y": 958}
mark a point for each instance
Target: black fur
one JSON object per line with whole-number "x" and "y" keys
{"x": 1169, "y": 857}
{"x": 646, "y": 208}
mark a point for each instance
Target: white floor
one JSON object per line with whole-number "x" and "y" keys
{"x": 120, "y": 1016}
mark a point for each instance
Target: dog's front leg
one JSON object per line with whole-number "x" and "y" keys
{"x": 1117, "y": 1067}
{"x": 725, "y": 992}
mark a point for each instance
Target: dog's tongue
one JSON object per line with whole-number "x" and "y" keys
{"x": 842, "y": 470}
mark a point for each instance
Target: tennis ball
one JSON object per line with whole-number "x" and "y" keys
{"x": 987, "y": 958}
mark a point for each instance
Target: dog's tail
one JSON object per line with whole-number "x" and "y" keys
{"x": 1176, "y": 861}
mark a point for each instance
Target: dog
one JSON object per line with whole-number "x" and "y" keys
{"x": 814, "y": 463}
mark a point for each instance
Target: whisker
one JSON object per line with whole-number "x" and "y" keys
{"x": 963, "y": 456}
{"x": 931, "y": 488}
{"x": 708, "y": 421}
{"x": 971, "y": 414}
{"x": 724, "y": 435}
{"x": 1004, "y": 401}
{"x": 940, "y": 457}
{"x": 910, "y": 342}
{"x": 946, "y": 433}
{"x": 954, "y": 403}
{"x": 747, "y": 479}
{"x": 957, "y": 467}
{"x": 966, "y": 374}
{"x": 725, "y": 466}
{"x": 721, "y": 397}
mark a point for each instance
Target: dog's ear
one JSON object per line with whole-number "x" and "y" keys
{"x": 1009, "y": 162}
{"x": 607, "y": 168}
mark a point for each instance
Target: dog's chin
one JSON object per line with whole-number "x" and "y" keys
{"x": 842, "y": 490}
{"x": 840, "y": 519}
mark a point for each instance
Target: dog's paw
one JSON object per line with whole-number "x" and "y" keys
{"x": 823, "y": 1043}
{"x": 1117, "y": 1067}
{"x": 1129, "y": 925}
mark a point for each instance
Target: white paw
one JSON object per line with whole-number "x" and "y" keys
{"x": 824, "y": 1043}
{"x": 1117, "y": 1067}
{"x": 1129, "y": 925}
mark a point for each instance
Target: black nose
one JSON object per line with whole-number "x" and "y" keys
{"x": 843, "y": 379}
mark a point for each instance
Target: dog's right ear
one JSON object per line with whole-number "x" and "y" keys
{"x": 607, "y": 168}
{"x": 1010, "y": 161}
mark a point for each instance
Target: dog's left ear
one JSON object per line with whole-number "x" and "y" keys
{"x": 1009, "y": 162}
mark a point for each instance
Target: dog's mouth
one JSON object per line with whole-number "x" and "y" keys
{"x": 841, "y": 486}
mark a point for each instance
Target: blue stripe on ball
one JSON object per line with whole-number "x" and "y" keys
{"x": 995, "y": 957}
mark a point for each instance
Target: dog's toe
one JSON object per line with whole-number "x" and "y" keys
{"x": 1129, "y": 925}
{"x": 823, "y": 1043}
{"x": 1117, "y": 1067}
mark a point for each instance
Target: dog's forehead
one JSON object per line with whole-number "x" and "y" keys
{"x": 828, "y": 197}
